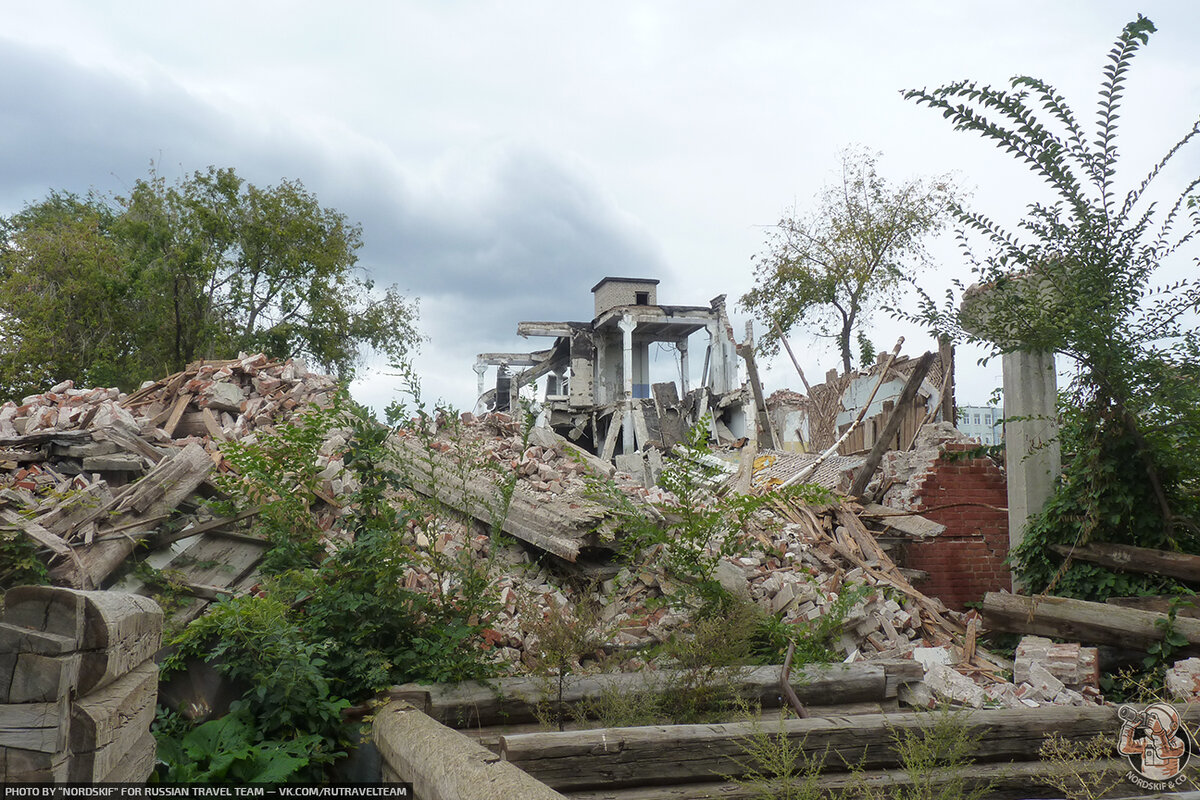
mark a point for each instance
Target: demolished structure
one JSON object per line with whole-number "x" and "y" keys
{"x": 599, "y": 389}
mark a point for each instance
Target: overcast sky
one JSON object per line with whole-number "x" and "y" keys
{"x": 503, "y": 157}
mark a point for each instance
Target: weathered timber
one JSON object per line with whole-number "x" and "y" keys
{"x": 516, "y": 700}
{"x": 1160, "y": 604}
{"x": 114, "y": 632}
{"x": 100, "y": 718}
{"x": 1136, "y": 559}
{"x": 560, "y": 526}
{"x": 35, "y": 678}
{"x": 35, "y": 726}
{"x": 36, "y": 532}
{"x": 622, "y": 757}
{"x": 545, "y": 437}
{"x": 884, "y": 441}
{"x": 1082, "y": 621}
{"x": 161, "y": 491}
{"x": 442, "y": 764}
{"x": 136, "y": 765}
{"x": 18, "y": 765}
{"x": 1016, "y": 781}
{"x": 122, "y": 723}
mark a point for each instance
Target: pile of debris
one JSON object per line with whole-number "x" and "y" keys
{"x": 92, "y": 474}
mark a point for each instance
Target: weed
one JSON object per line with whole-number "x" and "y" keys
{"x": 1079, "y": 772}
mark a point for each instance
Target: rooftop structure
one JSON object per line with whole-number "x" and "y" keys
{"x": 598, "y": 373}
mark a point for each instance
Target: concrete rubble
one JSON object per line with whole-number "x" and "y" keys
{"x": 100, "y": 445}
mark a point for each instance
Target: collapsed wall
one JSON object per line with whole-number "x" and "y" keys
{"x": 949, "y": 480}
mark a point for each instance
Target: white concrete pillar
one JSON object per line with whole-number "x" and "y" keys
{"x": 1032, "y": 453}
{"x": 480, "y": 370}
{"x": 627, "y": 324}
{"x": 684, "y": 368}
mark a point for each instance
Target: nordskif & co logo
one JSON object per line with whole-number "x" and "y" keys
{"x": 1157, "y": 745}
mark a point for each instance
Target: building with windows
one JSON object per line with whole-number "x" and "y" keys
{"x": 984, "y": 424}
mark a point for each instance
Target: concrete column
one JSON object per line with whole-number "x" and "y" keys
{"x": 627, "y": 324}
{"x": 684, "y": 368}
{"x": 1032, "y": 453}
{"x": 480, "y": 370}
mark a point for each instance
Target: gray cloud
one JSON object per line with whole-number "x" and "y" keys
{"x": 488, "y": 237}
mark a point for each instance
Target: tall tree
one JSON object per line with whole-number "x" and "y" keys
{"x": 831, "y": 268}
{"x": 1077, "y": 278}
{"x": 119, "y": 289}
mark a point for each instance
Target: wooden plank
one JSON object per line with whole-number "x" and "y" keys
{"x": 36, "y": 532}
{"x": 211, "y": 425}
{"x": 885, "y": 440}
{"x": 1013, "y": 781}
{"x": 181, "y": 404}
{"x": 517, "y": 700}
{"x": 1136, "y": 559}
{"x": 442, "y": 764}
{"x": 1082, "y": 621}
{"x": 620, "y": 757}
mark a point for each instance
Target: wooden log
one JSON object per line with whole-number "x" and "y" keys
{"x": 553, "y": 524}
{"x": 18, "y": 765}
{"x": 1136, "y": 559}
{"x": 102, "y": 717}
{"x": 1017, "y": 781}
{"x": 181, "y": 404}
{"x": 114, "y": 631}
{"x": 36, "y": 532}
{"x": 1083, "y": 621}
{"x": 36, "y": 678}
{"x": 160, "y": 492}
{"x": 617, "y": 757}
{"x": 136, "y": 765}
{"x": 515, "y": 700}
{"x": 442, "y": 764}
{"x": 1160, "y": 604}
{"x": 109, "y": 723}
{"x": 35, "y": 726}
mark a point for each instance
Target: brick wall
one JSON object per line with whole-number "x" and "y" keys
{"x": 966, "y": 560}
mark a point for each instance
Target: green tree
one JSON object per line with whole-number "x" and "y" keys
{"x": 1075, "y": 278}
{"x": 63, "y": 296}
{"x": 832, "y": 267}
{"x": 119, "y": 289}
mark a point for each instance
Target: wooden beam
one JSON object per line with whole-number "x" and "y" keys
{"x": 884, "y": 442}
{"x": 1136, "y": 559}
{"x": 443, "y": 764}
{"x": 679, "y": 754}
{"x": 1082, "y": 621}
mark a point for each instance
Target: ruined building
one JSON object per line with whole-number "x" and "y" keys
{"x": 600, "y": 392}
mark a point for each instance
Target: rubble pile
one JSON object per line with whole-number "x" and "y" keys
{"x": 91, "y": 473}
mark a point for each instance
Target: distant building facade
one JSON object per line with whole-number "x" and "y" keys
{"x": 985, "y": 424}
